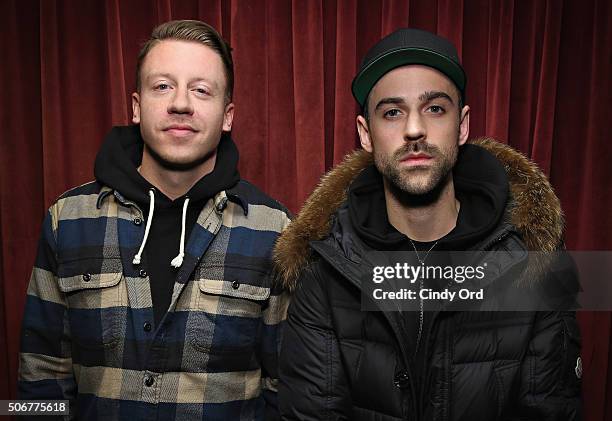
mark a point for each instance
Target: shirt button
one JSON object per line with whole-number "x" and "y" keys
{"x": 235, "y": 284}
{"x": 86, "y": 277}
{"x": 149, "y": 380}
{"x": 142, "y": 273}
{"x": 137, "y": 221}
{"x": 222, "y": 204}
{"x": 147, "y": 327}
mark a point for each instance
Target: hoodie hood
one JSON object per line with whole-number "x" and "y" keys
{"x": 121, "y": 154}
{"x": 533, "y": 208}
{"x": 481, "y": 185}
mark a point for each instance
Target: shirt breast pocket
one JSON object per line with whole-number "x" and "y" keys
{"x": 228, "y": 314}
{"x": 93, "y": 291}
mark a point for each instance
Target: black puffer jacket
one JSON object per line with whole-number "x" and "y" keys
{"x": 338, "y": 362}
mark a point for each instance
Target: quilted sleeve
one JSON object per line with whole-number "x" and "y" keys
{"x": 313, "y": 384}
{"x": 551, "y": 371}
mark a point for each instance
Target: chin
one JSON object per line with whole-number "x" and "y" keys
{"x": 179, "y": 162}
{"x": 184, "y": 163}
{"x": 417, "y": 190}
{"x": 418, "y": 184}
{"x": 414, "y": 184}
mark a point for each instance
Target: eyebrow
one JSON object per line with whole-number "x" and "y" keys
{"x": 390, "y": 100}
{"x": 424, "y": 97}
{"x": 431, "y": 95}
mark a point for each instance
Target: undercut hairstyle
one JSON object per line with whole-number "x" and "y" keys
{"x": 190, "y": 30}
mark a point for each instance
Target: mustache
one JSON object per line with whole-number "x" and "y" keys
{"x": 419, "y": 146}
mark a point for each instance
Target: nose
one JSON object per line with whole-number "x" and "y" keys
{"x": 180, "y": 102}
{"x": 415, "y": 127}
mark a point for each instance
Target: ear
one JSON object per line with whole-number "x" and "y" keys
{"x": 464, "y": 125}
{"x": 364, "y": 133}
{"x": 135, "y": 108}
{"x": 228, "y": 117}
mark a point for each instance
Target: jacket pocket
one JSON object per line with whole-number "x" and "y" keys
{"x": 228, "y": 315}
{"x": 93, "y": 291}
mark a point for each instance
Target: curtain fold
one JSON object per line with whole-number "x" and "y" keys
{"x": 499, "y": 68}
{"x": 308, "y": 93}
{"x": 251, "y": 88}
{"x": 116, "y": 69}
{"x": 448, "y": 24}
{"x": 475, "y": 61}
{"x": 546, "y": 97}
{"x": 279, "y": 95}
{"x": 539, "y": 79}
{"x": 21, "y": 188}
{"x": 345, "y": 64}
{"x": 394, "y": 14}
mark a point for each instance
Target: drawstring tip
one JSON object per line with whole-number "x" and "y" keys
{"x": 136, "y": 260}
{"x": 177, "y": 261}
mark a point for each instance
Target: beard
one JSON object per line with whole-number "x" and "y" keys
{"x": 417, "y": 184}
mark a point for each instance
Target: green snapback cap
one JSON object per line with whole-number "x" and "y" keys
{"x": 408, "y": 46}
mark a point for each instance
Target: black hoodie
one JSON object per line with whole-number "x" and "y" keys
{"x": 116, "y": 166}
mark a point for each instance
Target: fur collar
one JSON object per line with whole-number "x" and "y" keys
{"x": 535, "y": 210}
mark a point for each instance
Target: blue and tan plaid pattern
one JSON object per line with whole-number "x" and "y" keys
{"x": 87, "y": 332}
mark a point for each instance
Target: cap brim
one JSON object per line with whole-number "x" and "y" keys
{"x": 369, "y": 75}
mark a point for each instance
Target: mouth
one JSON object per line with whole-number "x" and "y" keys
{"x": 416, "y": 159}
{"x": 180, "y": 130}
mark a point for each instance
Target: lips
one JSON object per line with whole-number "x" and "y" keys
{"x": 415, "y": 159}
{"x": 180, "y": 130}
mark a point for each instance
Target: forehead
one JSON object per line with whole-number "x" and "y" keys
{"x": 411, "y": 81}
{"x": 182, "y": 57}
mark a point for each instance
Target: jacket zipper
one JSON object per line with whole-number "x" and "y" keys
{"x": 427, "y": 378}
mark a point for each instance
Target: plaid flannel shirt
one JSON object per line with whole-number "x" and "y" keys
{"x": 87, "y": 332}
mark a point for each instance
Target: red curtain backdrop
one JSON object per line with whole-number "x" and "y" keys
{"x": 539, "y": 77}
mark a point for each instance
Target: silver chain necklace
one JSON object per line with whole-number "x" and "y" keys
{"x": 422, "y": 262}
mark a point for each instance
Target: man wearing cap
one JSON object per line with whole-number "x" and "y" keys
{"x": 419, "y": 186}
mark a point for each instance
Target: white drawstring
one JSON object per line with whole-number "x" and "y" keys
{"x": 136, "y": 260}
{"x": 178, "y": 260}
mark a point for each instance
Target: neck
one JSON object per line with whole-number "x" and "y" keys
{"x": 174, "y": 183}
{"x": 425, "y": 221}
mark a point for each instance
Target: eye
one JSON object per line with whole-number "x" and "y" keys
{"x": 201, "y": 91}
{"x": 436, "y": 109}
{"x": 161, "y": 87}
{"x": 392, "y": 113}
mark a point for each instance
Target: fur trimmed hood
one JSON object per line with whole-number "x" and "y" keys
{"x": 534, "y": 210}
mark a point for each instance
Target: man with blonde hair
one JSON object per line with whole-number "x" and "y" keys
{"x": 151, "y": 295}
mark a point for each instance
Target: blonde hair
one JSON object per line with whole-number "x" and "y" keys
{"x": 190, "y": 30}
